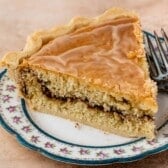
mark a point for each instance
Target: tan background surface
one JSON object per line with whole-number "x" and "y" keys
{"x": 18, "y": 18}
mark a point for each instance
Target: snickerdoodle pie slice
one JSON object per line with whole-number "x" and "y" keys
{"x": 92, "y": 70}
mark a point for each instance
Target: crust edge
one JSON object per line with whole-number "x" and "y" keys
{"x": 37, "y": 39}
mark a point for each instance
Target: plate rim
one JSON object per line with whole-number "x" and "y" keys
{"x": 42, "y": 151}
{"x": 77, "y": 161}
{"x": 25, "y": 111}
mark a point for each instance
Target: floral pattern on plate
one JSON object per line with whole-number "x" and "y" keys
{"x": 14, "y": 119}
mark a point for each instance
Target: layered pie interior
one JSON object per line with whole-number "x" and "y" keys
{"x": 92, "y": 70}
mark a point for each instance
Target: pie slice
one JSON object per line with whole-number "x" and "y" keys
{"x": 92, "y": 70}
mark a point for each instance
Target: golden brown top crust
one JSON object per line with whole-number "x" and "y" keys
{"x": 98, "y": 54}
{"x": 106, "y": 51}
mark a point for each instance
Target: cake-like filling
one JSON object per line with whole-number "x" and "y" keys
{"x": 31, "y": 78}
{"x": 70, "y": 87}
{"x": 49, "y": 94}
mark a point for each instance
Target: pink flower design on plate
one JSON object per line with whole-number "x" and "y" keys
{"x": 35, "y": 139}
{"x": 102, "y": 154}
{"x": 152, "y": 142}
{"x": 26, "y": 129}
{"x": 65, "y": 151}
{"x": 49, "y": 145}
{"x": 17, "y": 119}
{"x": 137, "y": 149}
{"x": 84, "y": 152}
{"x": 10, "y": 88}
{"x": 119, "y": 151}
{"x": 6, "y": 98}
{"x": 11, "y": 108}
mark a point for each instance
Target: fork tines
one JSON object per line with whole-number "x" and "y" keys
{"x": 158, "y": 56}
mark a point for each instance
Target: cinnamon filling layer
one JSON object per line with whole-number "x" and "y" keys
{"x": 113, "y": 109}
{"x": 48, "y": 93}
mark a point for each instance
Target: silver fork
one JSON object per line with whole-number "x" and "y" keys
{"x": 157, "y": 56}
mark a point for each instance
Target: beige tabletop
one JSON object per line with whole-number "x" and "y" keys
{"x": 18, "y": 18}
